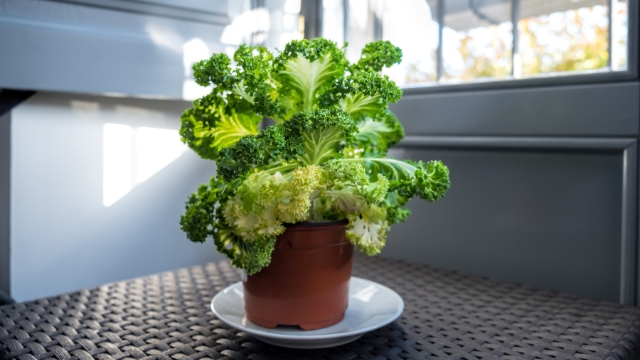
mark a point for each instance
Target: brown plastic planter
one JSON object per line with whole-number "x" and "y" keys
{"x": 307, "y": 282}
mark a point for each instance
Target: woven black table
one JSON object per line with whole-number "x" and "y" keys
{"x": 447, "y": 316}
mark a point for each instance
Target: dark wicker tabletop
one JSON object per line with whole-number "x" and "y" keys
{"x": 447, "y": 316}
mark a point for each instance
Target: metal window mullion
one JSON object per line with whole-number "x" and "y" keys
{"x": 633, "y": 60}
{"x": 345, "y": 20}
{"x": 610, "y": 35}
{"x": 439, "y": 61}
{"x": 255, "y": 24}
{"x": 515, "y": 46}
{"x": 376, "y": 7}
{"x": 311, "y": 10}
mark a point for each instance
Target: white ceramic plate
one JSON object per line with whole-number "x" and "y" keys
{"x": 371, "y": 306}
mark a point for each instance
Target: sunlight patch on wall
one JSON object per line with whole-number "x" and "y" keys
{"x": 155, "y": 149}
{"x": 132, "y": 156}
{"x": 193, "y": 51}
{"x": 117, "y": 162}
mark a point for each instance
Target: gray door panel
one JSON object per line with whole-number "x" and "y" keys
{"x": 550, "y": 219}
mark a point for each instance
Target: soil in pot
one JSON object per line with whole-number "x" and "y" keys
{"x": 307, "y": 282}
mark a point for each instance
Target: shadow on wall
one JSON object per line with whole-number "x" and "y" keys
{"x": 74, "y": 158}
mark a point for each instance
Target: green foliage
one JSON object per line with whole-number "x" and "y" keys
{"x": 378, "y": 55}
{"x": 269, "y": 146}
{"x": 368, "y": 230}
{"x": 264, "y": 202}
{"x": 204, "y": 218}
{"x": 251, "y": 256}
{"x": 370, "y": 94}
{"x": 376, "y": 135}
{"x": 216, "y": 71}
{"x": 397, "y": 212}
{"x": 352, "y": 178}
{"x": 323, "y": 160}
{"x": 346, "y": 189}
{"x": 429, "y": 181}
{"x": 200, "y": 213}
{"x": 306, "y": 69}
{"x": 321, "y": 133}
{"x": 308, "y": 138}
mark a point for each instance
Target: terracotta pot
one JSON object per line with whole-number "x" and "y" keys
{"x": 307, "y": 282}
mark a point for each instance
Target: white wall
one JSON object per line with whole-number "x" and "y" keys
{"x": 62, "y": 236}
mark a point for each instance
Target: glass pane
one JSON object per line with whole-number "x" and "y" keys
{"x": 284, "y": 24}
{"x": 559, "y": 36}
{"x": 412, "y": 26}
{"x": 619, "y": 34}
{"x": 272, "y": 23}
{"x": 477, "y": 40}
{"x": 360, "y": 26}
{"x": 333, "y": 20}
{"x": 408, "y": 24}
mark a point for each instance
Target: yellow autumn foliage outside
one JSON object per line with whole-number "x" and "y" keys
{"x": 573, "y": 40}
{"x": 578, "y": 41}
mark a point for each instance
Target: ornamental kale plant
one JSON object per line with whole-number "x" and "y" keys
{"x": 324, "y": 159}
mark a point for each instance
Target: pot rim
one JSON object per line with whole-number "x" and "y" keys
{"x": 320, "y": 223}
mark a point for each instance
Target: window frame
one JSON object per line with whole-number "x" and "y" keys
{"x": 630, "y": 74}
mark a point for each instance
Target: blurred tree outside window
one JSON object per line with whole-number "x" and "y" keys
{"x": 564, "y": 41}
{"x": 412, "y": 25}
{"x": 477, "y": 40}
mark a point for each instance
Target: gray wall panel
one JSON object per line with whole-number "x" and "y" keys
{"x": 64, "y": 47}
{"x": 546, "y": 219}
{"x": 5, "y": 194}
{"x": 207, "y": 11}
{"x": 581, "y": 110}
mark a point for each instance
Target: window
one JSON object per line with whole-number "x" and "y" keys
{"x": 478, "y": 41}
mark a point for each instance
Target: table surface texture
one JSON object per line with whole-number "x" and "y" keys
{"x": 447, "y": 316}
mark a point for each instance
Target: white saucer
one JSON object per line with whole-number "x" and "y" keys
{"x": 371, "y": 306}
